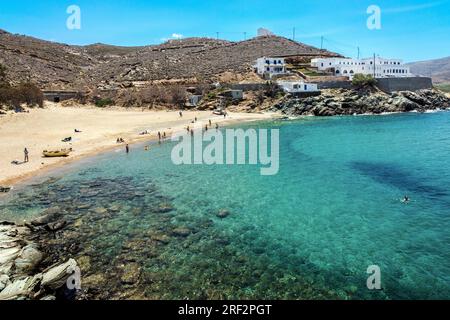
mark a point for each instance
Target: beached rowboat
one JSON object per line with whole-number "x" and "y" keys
{"x": 56, "y": 153}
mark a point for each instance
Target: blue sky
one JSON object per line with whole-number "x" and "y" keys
{"x": 410, "y": 29}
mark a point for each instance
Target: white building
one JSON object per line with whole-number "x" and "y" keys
{"x": 298, "y": 86}
{"x": 378, "y": 67}
{"x": 195, "y": 99}
{"x": 270, "y": 66}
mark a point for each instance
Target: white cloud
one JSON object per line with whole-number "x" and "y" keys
{"x": 177, "y": 36}
{"x": 414, "y": 7}
{"x": 174, "y": 36}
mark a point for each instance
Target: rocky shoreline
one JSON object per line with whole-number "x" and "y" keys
{"x": 362, "y": 101}
{"x": 22, "y": 273}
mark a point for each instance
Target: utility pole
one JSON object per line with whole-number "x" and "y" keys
{"x": 293, "y": 34}
{"x": 358, "y": 53}
{"x": 374, "y": 66}
{"x": 321, "y": 43}
{"x": 217, "y": 33}
{"x": 245, "y": 35}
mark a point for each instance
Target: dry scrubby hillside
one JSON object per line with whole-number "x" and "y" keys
{"x": 438, "y": 69}
{"x": 54, "y": 65}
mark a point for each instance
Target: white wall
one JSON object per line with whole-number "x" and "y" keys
{"x": 271, "y": 66}
{"x": 379, "y": 67}
{"x": 297, "y": 86}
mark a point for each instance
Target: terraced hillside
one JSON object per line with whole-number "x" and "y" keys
{"x": 54, "y": 65}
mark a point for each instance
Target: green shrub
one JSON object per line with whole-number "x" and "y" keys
{"x": 211, "y": 96}
{"x": 102, "y": 103}
{"x": 443, "y": 87}
{"x": 272, "y": 89}
{"x": 27, "y": 93}
{"x": 30, "y": 94}
{"x": 362, "y": 80}
{"x": 2, "y": 74}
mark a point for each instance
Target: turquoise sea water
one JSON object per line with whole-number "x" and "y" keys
{"x": 309, "y": 232}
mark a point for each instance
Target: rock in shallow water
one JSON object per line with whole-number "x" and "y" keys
{"x": 164, "y": 208}
{"x": 47, "y": 216}
{"x": 4, "y": 281}
{"x": 160, "y": 237}
{"x": 22, "y": 288}
{"x": 28, "y": 259}
{"x": 222, "y": 214}
{"x": 94, "y": 281}
{"x": 55, "y": 226}
{"x": 57, "y": 276}
{"x": 181, "y": 232}
{"x": 100, "y": 211}
{"x": 131, "y": 273}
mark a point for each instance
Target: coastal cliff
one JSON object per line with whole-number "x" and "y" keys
{"x": 362, "y": 101}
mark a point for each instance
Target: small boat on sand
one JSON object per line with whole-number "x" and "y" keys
{"x": 219, "y": 112}
{"x": 5, "y": 189}
{"x": 56, "y": 153}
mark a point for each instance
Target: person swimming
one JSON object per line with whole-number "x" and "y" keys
{"x": 406, "y": 199}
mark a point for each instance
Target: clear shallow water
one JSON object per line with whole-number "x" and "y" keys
{"x": 309, "y": 232}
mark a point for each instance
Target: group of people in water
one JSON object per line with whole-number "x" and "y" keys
{"x": 163, "y": 136}
{"x": 207, "y": 126}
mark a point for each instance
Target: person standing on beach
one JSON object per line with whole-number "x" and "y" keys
{"x": 217, "y": 126}
{"x": 127, "y": 148}
{"x": 159, "y": 135}
{"x": 25, "y": 153}
{"x": 210, "y": 123}
{"x": 181, "y": 114}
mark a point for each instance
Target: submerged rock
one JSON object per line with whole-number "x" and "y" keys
{"x": 100, "y": 210}
{"x": 131, "y": 273}
{"x": 84, "y": 263}
{"x": 164, "y": 208}
{"x": 223, "y": 214}
{"x": 55, "y": 226}
{"x": 94, "y": 281}
{"x": 181, "y": 232}
{"x": 160, "y": 237}
{"x": 115, "y": 208}
{"x": 47, "y": 216}
{"x": 84, "y": 206}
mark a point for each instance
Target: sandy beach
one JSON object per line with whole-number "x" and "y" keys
{"x": 44, "y": 129}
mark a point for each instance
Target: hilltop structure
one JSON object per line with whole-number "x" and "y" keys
{"x": 262, "y": 32}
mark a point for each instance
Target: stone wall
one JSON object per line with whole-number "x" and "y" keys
{"x": 245, "y": 86}
{"x": 57, "y": 96}
{"x": 337, "y": 84}
{"x": 390, "y": 85}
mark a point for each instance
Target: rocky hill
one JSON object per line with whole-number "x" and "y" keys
{"x": 54, "y": 65}
{"x": 438, "y": 69}
{"x": 362, "y": 101}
